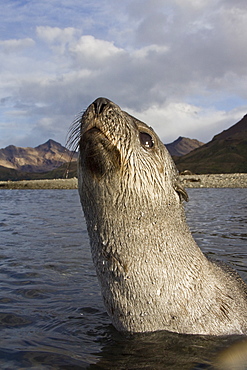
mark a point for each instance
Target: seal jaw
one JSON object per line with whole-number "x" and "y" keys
{"x": 100, "y": 156}
{"x": 98, "y": 142}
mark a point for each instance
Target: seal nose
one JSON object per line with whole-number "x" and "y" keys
{"x": 99, "y": 105}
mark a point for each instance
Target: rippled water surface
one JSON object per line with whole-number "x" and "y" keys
{"x": 51, "y": 312}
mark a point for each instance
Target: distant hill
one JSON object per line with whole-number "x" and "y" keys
{"x": 67, "y": 170}
{"x": 42, "y": 158}
{"x": 52, "y": 160}
{"x": 182, "y": 146}
{"x": 225, "y": 153}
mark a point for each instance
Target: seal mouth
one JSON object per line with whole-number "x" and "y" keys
{"x": 93, "y": 137}
{"x": 94, "y": 116}
{"x": 98, "y": 153}
{"x": 94, "y": 131}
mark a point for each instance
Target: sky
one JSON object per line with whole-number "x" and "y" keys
{"x": 179, "y": 66}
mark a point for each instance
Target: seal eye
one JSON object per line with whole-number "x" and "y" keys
{"x": 146, "y": 140}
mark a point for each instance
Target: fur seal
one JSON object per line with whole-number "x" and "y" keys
{"x": 153, "y": 275}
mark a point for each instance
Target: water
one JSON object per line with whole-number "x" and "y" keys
{"x": 51, "y": 311}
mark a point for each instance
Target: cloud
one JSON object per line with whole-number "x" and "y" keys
{"x": 179, "y": 66}
{"x": 189, "y": 120}
{"x": 10, "y": 46}
{"x": 92, "y": 53}
{"x": 55, "y": 34}
{"x": 56, "y": 38}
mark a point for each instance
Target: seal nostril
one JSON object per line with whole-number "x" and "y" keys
{"x": 100, "y": 104}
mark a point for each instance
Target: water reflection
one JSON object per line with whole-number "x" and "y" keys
{"x": 162, "y": 350}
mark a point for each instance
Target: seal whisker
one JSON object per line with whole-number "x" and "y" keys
{"x": 73, "y": 140}
{"x": 74, "y": 133}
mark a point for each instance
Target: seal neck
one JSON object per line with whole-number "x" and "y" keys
{"x": 127, "y": 232}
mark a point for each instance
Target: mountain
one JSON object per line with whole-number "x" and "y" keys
{"x": 225, "y": 153}
{"x": 182, "y": 146}
{"x": 42, "y": 158}
{"x": 66, "y": 170}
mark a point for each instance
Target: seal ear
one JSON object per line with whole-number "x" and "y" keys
{"x": 181, "y": 192}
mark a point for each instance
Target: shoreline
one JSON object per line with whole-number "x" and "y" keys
{"x": 226, "y": 180}
{"x": 40, "y": 184}
{"x": 231, "y": 180}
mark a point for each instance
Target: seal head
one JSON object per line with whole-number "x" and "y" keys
{"x": 153, "y": 276}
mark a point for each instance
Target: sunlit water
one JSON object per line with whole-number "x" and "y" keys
{"x": 51, "y": 311}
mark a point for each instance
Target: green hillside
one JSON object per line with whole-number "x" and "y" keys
{"x": 226, "y": 153}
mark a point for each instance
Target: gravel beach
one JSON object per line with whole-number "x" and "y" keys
{"x": 231, "y": 180}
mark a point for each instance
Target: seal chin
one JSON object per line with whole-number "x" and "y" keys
{"x": 100, "y": 155}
